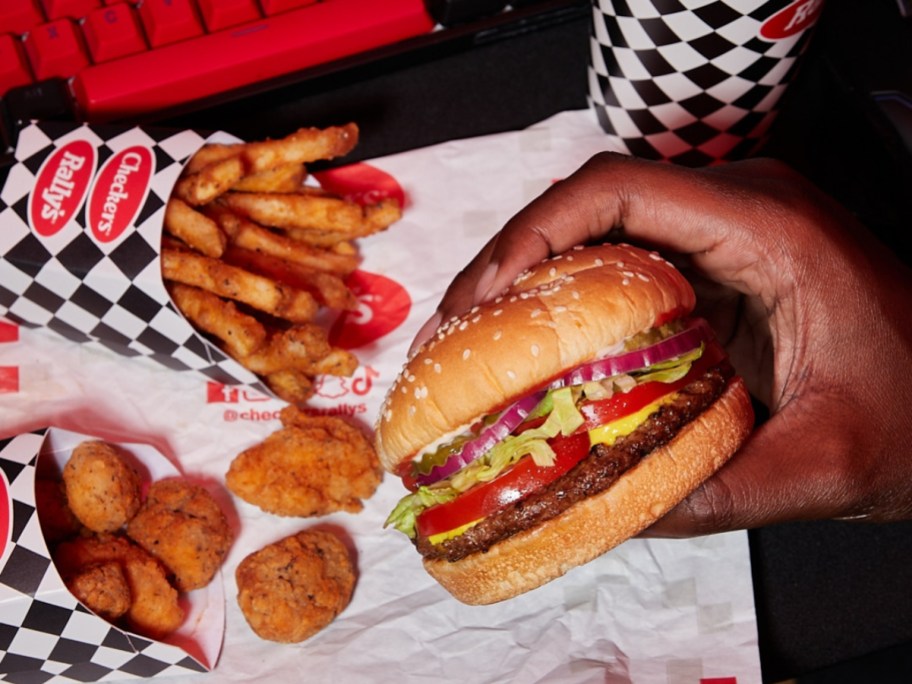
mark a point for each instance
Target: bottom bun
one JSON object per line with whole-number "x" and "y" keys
{"x": 588, "y": 529}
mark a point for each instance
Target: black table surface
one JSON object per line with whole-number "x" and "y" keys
{"x": 826, "y": 592}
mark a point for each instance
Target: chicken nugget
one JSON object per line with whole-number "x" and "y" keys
{"x": 181, "y": 524}
{"x": 155, "y": 610}
{"x": 102, "y": 488}
{"x": 313, "y": 466}
{"x": 291, "y": 589}
{"x": 103, "y": 588}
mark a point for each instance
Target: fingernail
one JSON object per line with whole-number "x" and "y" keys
{"x": 482, "y": 288}
{"x": 426, "y": 331}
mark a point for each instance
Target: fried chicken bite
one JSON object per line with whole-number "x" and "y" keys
{"x": 312, "y": 466}
{"x": 103, "y": 588}
{"x": 181, "y": 524}
{"x": 102, "y": 488}
{"x": 293, "y": 588}
{"x": 155, "y": 610}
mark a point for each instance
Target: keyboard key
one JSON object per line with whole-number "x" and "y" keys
{"x": 55, "y": 49}
{"x": 276, "y": 6}
{"x": 75, "y": 9}
{"x": 219, "y": 14}
{"x": 14, "y": 68}
{"x": 18, "y": 16}
{"x": 112, "y": 32}
{"x": 248, "y": 54}
{"x": 169, "y": 21}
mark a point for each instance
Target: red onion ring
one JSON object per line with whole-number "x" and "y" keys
{"x": 685, "y": 341}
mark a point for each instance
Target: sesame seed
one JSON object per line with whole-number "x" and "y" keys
{"x": 497, "y": 312}
{"x": 412, "y": 409}
{"x": 498, "y": 335}
{"x": 511, "y": 375}
{"x": 599, "y": 262}
{"x": 466, "y": 353}
{"x": 625, "y": 281}
{"x": 536, "y": 350}
{"x": 438, "y": 368}
{"x": 643, "y": 277}
{"x": 463, "y": 325}
{"x": 620, "y": 264}
{"x": 536, "y": 313}
{"x": 552, "y": 272}
{"x": 560, "y": 309}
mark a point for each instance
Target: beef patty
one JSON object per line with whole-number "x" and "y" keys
{"x": 592, "y": 475}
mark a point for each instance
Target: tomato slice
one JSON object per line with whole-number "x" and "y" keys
{"x": 517, "y": 482}
{"x": 525, "y": 476}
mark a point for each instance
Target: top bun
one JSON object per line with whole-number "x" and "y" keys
{"x": 568, "y": 310}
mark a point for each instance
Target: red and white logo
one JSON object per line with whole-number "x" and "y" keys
{"x": 792, "y": 19}
{"x": 119, "y": 192}
{"x": 383, "y": 305}
{"x": 6, "y": 514}
{"x": 219, "y": 393}
{"x": 61, "y": 186}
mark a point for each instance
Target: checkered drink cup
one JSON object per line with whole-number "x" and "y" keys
{"x": 694, "y": 82}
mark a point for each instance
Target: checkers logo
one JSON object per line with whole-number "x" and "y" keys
{"x": 61, "y": 187}
{"x": 119, "y": 191}
{"x": 791, "y": 20}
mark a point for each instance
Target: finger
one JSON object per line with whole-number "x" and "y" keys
{"x": 766, "y": 484}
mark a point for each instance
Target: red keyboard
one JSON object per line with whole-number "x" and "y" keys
{"x": 128, "y": 57}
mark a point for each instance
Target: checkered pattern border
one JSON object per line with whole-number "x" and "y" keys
{"x": 692, "y": 81}
{"x": 106, "y": 294}
{"x": 44, "y": 631}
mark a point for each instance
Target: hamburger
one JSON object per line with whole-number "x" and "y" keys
{"x": 548, "y": 425}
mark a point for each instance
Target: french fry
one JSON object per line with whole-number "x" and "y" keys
{"x": 283, "y": 178}
{"x": 330, "y": 289}
{"x": 211, "y": 181}
{"x": 240, "y": 333}
{"x": 307, "y": 211}
{"x": 193, "y": 228}
{"x": 250, "y": 254}
{"x": 301, "y": 147}
{"x": 303, "y": 348}
{"x": 259, "y": 292}
{"x": 294, "y": 386}
{"x": 249, "y": 235}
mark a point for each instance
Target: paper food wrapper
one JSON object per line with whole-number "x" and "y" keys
{"x": 648, "y": 611}
{"x": 82, "y": 213}
{"x": 45, "y": 629}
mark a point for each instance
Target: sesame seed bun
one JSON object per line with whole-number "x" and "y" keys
{"x": 564, "y": 312}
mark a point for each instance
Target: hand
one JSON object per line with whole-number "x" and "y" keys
{"x": 813, "y": 311}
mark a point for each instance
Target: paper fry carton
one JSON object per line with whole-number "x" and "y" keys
{"x": 81, "y": 217}
{"x": 44, "y": 630}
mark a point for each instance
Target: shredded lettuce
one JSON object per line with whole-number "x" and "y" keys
{"x": 563, "y": 417}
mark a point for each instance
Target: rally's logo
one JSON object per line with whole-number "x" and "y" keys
{"x": 119, "y": 192}
{"x": 61, "y": 187}
{"x": 792, "y": 19}
{"x": 383, "y": 305}
{"x": 6, "y": 514}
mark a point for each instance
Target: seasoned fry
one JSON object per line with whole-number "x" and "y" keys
{"x": 303, "y": 348}
{"x": 283, "y": 178}
{"x": 293, "y": 386}
{"x": 314, "y": 212}
{"x": 193, "y": 228}
{"x": 240, "y": 333}
{"x": 249, "y": 235}
{"x": 232, "y": 282}
{"x": 301, "y": 147}
{"x": 210, "y": 181}
{"x": 329, "y": 288}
